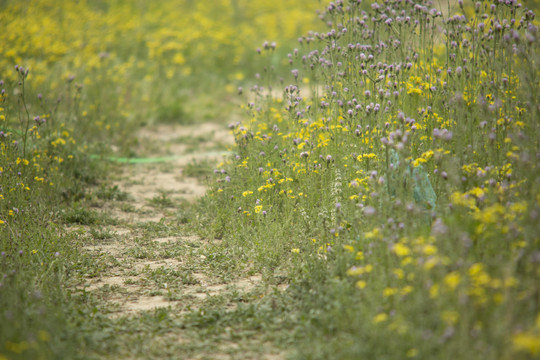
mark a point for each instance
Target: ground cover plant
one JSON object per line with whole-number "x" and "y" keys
{"x": 395, "y": 183}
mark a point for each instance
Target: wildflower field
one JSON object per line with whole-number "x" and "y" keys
{"x": 384, "y": 181}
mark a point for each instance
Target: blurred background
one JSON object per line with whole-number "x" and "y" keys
{"x": 134, "y": 62}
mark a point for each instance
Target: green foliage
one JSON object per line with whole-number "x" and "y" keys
{"x": 394, "y": 187}
{"x": 395, "y": 183}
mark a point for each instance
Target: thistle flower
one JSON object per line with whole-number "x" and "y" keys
{"x": 369, "y": 211}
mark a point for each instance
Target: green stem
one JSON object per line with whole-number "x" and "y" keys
{"x": 25, "y": 135}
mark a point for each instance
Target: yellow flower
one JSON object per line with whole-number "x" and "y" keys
{"x": 450, "y": 317}
{"x": 375, "y": 233}
{"x": 434, "y": 291}
{"x": 430, "y": 249}
{"x": 461, "y": 199}
{"x": 379, "y": 318}
{"x": 427, "y": 155}
{"x": 406, "y": 290}
{"x": 476, "y": 269}
{"x": 295, "y": 251}
{"x": 389, "y": 292}
{"x": 247, "y": 193}
{"x": 401, "y": 250}
{"x": 527, "y": 342}
{"x": 452, "y": 280}
{"x": 477, "y": 192}
{"x": 412, "y": 353}
{"x": 361, "y": 284}
{"x": 355, "y": 271}
{"x": 406, "y": 261}
{"x": 430, "y": 263}
{"x": 399, "y": 273}
{"x": 366, "y": 156}
{"x": 418, "y": 162}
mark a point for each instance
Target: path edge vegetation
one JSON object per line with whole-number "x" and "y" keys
{"x": 383, "y": 183}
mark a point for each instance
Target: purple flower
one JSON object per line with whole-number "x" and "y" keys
{"x": 369, "y": 211}
{"x": 447, "y": 135}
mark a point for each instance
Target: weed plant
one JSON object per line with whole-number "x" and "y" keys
{"x": 396, "y": 183}
{"x": 42, "y": 168}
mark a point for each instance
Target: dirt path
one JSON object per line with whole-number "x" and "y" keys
{"x": 147, "y": 264}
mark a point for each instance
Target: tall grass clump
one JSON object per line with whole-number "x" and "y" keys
{"x": 395, "y": 183}
{"x": 43, "y": 169}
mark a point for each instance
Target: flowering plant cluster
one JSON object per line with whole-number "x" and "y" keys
{"x": 402, "y": 158}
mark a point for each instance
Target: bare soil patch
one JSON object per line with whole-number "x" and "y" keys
{"x": 146, "y": 263}
{"x": 141, "y": 277}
